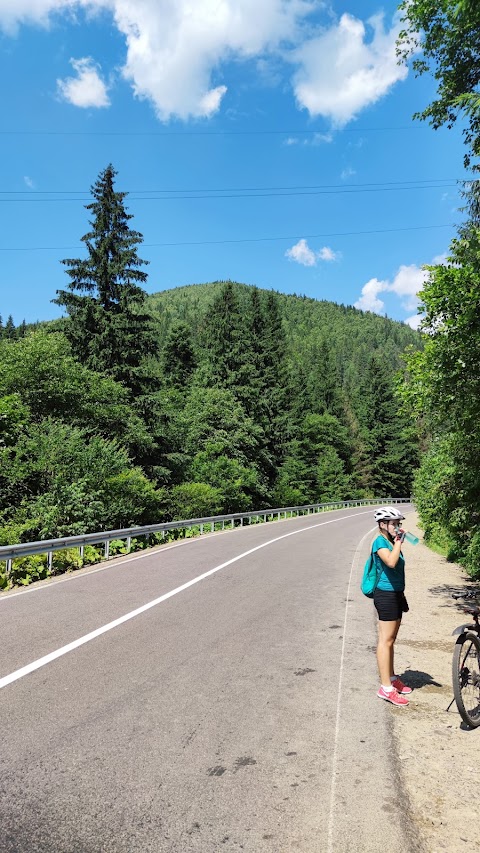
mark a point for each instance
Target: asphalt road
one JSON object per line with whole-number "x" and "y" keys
{"x": 239, "y": 713}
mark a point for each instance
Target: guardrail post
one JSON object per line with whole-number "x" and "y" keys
{"x": 129, "y": 544}
{"x": 49, "y": 560}
{"x": 8, "y": 566}
{"x": 81, "y": 551}
{"x": 201, "y": 529}
{"x": 107, "y": 549}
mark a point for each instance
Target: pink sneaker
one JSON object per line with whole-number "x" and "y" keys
{"x": 400, "y": 687}
{"x": 392, "y": 696}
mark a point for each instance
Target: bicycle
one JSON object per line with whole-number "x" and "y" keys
{"x": 466, "y": 666}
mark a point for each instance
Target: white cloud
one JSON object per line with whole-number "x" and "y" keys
{"x": 319, "y": 139}
{"x": 15, "y": 12}
{"x": 369, "y": 299}
{"x": 87, "y": 89}
{"x": 174, "y": 46}
{"x": 28, "y": 182}
{"x": 340, "y": 73}
{"x": 175, "y": 50}
{"x": 313, "y": 139}
{"x": 414, "y": 321}
{"x": 347, "y": 173}
{"x": 303, "y": 254}
{"x": 406, "y": 284}
{"x": 327, "y": 254}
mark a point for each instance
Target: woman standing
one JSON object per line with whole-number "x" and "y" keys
{"x": 389, "y": 599}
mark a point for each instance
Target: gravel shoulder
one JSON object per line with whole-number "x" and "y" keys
{"x": 437, "y": 754}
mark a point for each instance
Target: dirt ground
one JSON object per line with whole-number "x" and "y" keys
{"x": 438, "y": 755}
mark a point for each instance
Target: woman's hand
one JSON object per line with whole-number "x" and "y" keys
{"x": 390, "y": 558}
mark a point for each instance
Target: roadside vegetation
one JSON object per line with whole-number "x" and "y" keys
{"x": 441, "y": 385}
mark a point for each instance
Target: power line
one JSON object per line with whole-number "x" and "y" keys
{"x": 205, "y": 132}
{"x": 242, "y": 240}
{"x": 436, "y": 181}
{"x": 274, "y": 194}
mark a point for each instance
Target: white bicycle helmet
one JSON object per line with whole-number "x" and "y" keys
{"x": 388, "y": 513}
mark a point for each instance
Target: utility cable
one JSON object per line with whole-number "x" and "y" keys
{"x": 242, "y": 240}
{"x": 436, "y": 181}
{"x": 289, "y": 194}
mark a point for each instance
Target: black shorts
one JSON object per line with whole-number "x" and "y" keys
{"x": 390, "y": 605}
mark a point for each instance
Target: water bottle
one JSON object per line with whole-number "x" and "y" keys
{"x": 414, "y": 540}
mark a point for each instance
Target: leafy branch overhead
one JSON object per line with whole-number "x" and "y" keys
{"x": 443, "y": 37}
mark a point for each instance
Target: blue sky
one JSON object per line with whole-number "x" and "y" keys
{"x": 266, "y": 141}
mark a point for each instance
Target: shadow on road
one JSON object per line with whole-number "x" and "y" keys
{"x": 416, "y": 679}
{"x": 469, "y": 590}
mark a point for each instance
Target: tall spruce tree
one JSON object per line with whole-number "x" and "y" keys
{"x": 9, "y": 331}
{"x": 107, "y": 324}
{"x": 178, "y": 356}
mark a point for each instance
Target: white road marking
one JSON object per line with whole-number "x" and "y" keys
{"x": 339, "y": 701}
{"x": 70, "y": 647}
{"x": 119, "y": 561}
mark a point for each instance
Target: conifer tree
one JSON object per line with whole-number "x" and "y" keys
{"x": 107, "y": 324}
{"x": 223, "y": 337}
{"x": 393, "y": 447}
{"x": 178, "y": 356}
{"x": 9, "y": 330}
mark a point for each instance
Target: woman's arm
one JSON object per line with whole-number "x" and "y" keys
{"x": 390, "y": 558}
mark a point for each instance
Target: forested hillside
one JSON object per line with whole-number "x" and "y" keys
{"x": 197, "y": 401}
{"x": 251, "y": 399}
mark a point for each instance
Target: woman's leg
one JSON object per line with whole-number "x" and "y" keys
{"x": 387, "y": 632}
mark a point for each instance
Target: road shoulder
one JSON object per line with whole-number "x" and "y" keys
{"x": 436, "y": 753}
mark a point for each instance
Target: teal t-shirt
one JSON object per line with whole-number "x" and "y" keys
{"x": 390, "y": 579}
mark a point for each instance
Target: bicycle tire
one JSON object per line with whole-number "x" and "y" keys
{"x": 466, "y": 678}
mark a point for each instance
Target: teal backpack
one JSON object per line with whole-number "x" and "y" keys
{"x": 370, "y": 577}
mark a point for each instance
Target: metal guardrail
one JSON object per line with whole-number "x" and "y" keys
{"x": 49, "y": 546}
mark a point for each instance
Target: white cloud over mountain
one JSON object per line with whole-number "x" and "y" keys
{"x": 302, "y": 254}
{"x": 175, "y": 50}
{"x": 406, "y": 284}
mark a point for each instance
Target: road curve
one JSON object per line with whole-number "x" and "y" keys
{"x": 215, "y": 695}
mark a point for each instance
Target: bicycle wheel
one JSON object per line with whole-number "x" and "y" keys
{"x": 466, "y": 678}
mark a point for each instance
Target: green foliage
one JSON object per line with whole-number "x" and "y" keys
{"x": 91, "y": 554}
{"x": 25, "y": 570}
{"x": 49, "y": 382}
{"x": 13, "y": 417}
{"x": 195, "y": 500}
{"x": 117, "y": 546}
{"x": 66, "y": 561}
{"x": 235, "y": 483}
{"x": 446, "y": 33}
{"x": 442, "y": 389}
{"x": 57, "y": 481}
{"x": 178, "y": 357}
